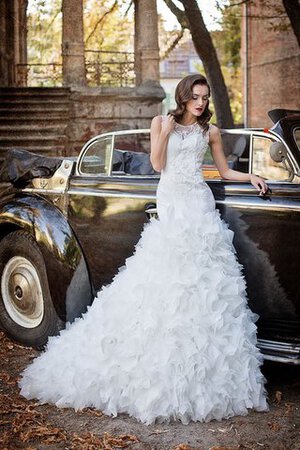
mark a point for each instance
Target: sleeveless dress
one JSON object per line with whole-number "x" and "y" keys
{"x": 172, "y": 337}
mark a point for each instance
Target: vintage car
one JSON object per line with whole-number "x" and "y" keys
{"x": 67, "y": 225}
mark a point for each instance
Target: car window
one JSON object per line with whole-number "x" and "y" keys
{"x": 96, "y": 159}
{"x": 131, "y": 154}
{"x": 297, "y": 137}
{"x": 262, "y": 163}
{"x": 134, "y": 142}
{"x": 236, "y": 149}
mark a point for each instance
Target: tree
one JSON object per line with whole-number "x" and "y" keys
{"x": 44, "y": 23}
{"x": 191, "y": 18}
{"x": 102, "y": 20}
{"x": 286, "y": 12}
{"x": 227, "y": 41}
{"x": 100, "y": 24}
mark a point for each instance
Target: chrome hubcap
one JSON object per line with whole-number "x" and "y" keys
{"x": 22, "y": 293}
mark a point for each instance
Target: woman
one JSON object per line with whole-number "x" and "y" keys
{"x": 172, "y": 336}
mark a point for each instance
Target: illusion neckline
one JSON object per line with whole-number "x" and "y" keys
{"x": 187, "y": 126}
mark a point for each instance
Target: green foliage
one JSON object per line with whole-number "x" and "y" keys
{"x": 227, "y": 42}
{"x": 44, "y": 31}
{"x": 106, "y": 27}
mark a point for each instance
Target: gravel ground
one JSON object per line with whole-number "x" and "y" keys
{"x": 26, "y": 425}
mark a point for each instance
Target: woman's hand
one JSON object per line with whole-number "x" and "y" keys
{"x": 259, "y": 184}
{"x": 167, "y": 125}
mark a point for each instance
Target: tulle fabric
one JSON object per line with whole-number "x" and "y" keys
{"x": 172, "y": 337}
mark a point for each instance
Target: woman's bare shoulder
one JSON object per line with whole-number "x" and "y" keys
{"x": 157, "y": 119}
{"x": 214, "y": 133}
{"x": 213, "y": 129}
{"x": 156, "y": 122}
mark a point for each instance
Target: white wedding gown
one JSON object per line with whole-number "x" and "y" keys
{"x": 172, "y": 336}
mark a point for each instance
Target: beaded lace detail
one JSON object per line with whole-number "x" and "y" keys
{"x": 186, "y": 130}
{"x": 186, "y": 148}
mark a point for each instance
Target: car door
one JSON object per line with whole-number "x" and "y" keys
{"x": 108, "y": 208}
{"x": 267, "y": 237}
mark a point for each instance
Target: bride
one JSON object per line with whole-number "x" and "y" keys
{"x": 172, "y": 337}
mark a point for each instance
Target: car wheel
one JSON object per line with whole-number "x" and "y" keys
{"x": 27, "y": 313}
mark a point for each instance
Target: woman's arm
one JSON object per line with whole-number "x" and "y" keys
{"x": 215, "y": 142}
{"x": 159, "y": 135}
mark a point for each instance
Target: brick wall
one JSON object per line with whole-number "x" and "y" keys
{"x": 273, "y": 63}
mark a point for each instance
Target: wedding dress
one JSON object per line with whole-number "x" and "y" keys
{"x": 172, "y": 336}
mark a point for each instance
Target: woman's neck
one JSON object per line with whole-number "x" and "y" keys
{"x": 188, "y": 119}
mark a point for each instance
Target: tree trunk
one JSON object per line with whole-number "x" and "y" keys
{"x": 207, "y": 52}
{"x": 292, "y": 8}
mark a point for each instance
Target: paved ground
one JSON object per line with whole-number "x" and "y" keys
{"x": 26, "y": 425}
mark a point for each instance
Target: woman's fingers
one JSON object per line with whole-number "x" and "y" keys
{"x": 169, "y": 123}
{"x": 260, "y": 185}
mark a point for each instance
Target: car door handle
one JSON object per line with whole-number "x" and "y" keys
{"x": 151, "y": 211}
{"x": 267, "y": 195}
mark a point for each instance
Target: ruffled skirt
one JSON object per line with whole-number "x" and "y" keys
{"x": 170, "y": 338}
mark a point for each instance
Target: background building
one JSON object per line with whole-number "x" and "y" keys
{"x": 181, "y": 61}
{"x": 271, "y": 62}
{"x": 91, "y": 94}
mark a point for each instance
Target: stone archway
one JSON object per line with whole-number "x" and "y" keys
{"x": 86, "y": 111}
{"x": 13, "y": 43}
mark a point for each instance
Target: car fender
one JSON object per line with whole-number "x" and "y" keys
{"x": 66, "y": 268}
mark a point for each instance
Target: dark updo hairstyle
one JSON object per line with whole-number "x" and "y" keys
{"x": 184, "y": 93}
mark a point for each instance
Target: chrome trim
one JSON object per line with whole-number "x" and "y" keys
{"x": 111, "y": 155}
{"x": 96, "y": 193}
{"x": 254, "y": 205}
{"x": 270, "y": 135}
{"x": 103, "y": 135}
{"x": 40, "y": 191}
{"x": 248, "y": 131}
{"x": 117, "y": 175}
{"x": 58, "y": 183}
{"x": 279, "y": 345}
{"x": 110, "y": 184}
{"x": 290, "y": 154}
{"x": 86, "y": 148}
{"x": 287, "y": 352}
{"x": 151, "y": 210}
{"x": 281, "y": 359}
{"x": 279, "y": 189}
{"x": 250, "y": 166}
{"x": 233, "y": 202}
{"x": 275, "y": 138}
{"x": 294, "y": 136}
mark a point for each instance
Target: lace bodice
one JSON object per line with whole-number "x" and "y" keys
{"x": 185, "y": 130}
{"x": 186, "y": 148}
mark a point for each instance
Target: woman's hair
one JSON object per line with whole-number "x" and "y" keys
{"x": 184, "y": 93}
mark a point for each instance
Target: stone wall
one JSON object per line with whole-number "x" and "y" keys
{"x": 100, "y": 110}
{"x": 273, "y": 65}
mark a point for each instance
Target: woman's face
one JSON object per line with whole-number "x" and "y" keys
{"x": 199, "y": 100}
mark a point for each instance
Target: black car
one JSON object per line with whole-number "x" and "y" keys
{"x": 67, "y": 225}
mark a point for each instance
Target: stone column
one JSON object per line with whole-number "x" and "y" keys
{"x": 20, "y": 41}
{"x": 146, "y": 43}
{"x": 6, "y": 23}
{"x": 13, "y": 42}
{"x": 74, "y": 73}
